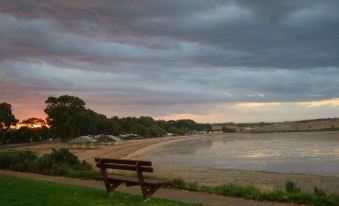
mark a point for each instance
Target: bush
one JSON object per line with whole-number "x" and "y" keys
{"x": 23, "y": 161}
{"x": 239, "y": 191}
{"x": 42, "y": 165}
{"x": 59, "y": 162}
{"x": 18, "y": 161}
{"x": 291, "y": 187}
{"x": 228, "y": 130}
{"x": 63, "y": 155}
{"x": 319, "y": 192}
{"x": 6, "y": 160}
{"x": 178, "y": 183}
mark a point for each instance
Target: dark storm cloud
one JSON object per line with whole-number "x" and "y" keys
{"x": 283, "y": 34}
{"x": 163, "y": 53}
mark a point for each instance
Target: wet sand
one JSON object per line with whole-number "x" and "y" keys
{"x": 264, "y": 180}
{"x": 261, "y": 179}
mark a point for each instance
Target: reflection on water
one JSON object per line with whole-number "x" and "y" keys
{"x": 316, "y": 153}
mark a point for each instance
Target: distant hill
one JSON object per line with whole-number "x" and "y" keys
{"x": 329, "y": 124}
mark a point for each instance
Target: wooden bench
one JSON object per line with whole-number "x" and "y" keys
{"x": 148, "y": 186}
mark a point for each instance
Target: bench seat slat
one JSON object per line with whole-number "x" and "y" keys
{"x": 124, "y": 161}
{"x": 125, "y": 167}
{"x": 127, "y": 179}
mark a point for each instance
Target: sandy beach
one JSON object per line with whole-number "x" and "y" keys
{"x": 134, "y": 149}
{"x": 131, "y": 149}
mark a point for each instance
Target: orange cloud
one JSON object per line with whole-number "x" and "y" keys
{"x": 329, "y": 102}
{"x": 258, "y": 104}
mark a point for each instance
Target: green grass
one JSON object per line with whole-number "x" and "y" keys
{"x": 22, "y": 192}
{"x": 291, "y": 194}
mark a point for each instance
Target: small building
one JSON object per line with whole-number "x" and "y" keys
{"x": 81, "y": 141}
{"x": 217, "y": 127}
{"x": 107, "y": 139}
{"x": 129, "y": 136}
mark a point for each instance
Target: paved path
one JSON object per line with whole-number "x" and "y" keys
{"x": 171, "y": 194}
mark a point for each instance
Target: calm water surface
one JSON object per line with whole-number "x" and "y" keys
{"x": 313, "y": 153}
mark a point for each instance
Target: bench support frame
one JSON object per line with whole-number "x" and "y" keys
{"x": 147, "y": 189}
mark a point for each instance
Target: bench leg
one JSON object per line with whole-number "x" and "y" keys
{"x": 110, "y": 187}
{"x": 148, "y": 191}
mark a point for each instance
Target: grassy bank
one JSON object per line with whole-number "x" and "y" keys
{"x": 292, "y": 193}
{"x": 17, "y": 191}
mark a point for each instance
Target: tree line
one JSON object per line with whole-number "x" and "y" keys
{"x": 68, "y": 117}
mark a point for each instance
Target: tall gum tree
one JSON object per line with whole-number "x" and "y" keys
{"x": 7, "y": 119}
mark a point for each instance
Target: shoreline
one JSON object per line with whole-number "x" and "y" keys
{"x": 286, "y": 131}
{"x": 262, "y": 179}
{"x": 139, "y": 153}
{"x": 133, "y": 149}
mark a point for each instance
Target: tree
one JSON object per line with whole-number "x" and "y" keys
{"x": 63, "y": 115}
{"x": 146, "y": 121}
{"x": 128, "y": 122}
{"x": 68, "y": 117}
{"x": 228, "y": 130}
{"x": 7, "y": 136}
{"x": 7, "y": 118}
{"x": 32, "y": 122}
{"x": 116, "y": 126}
{"x": 155, "y": 131}
{"x": 138, "y": 129}
{"x": 208, "y": 128}
{"x": 26, "y": 134}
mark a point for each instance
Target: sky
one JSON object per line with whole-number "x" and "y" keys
{"x": 211, "y": 61}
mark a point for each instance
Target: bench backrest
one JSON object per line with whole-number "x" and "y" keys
{"x": 123, "y": 164}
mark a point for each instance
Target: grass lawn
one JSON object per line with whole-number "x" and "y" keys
{"x": 18, "y": 191}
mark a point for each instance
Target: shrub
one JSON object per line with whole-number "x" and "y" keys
{"x": 6, "y": 160}
{"x": 319, "y": 192}
{"x": 228, "y": 130}
{"x": 238, "y": 191}
{"x": 42, "y": 165}
{"x": 18, "y": 161}
{"x": 63, "y": 155}
{"x": 178, "y": 183}
{"x": 292, "y": 187}
{"x": 59, "y": 162}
